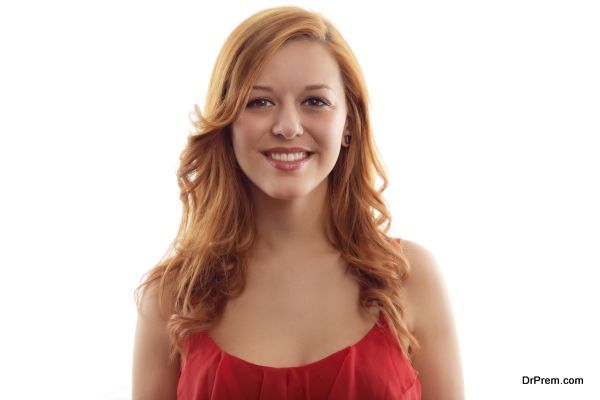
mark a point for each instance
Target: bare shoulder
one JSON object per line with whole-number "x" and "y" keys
{"x": 425, "y": 274}
{"x": 438, "y": 362}
{"x": 149, "y": 302}
{"x": 153, "y": 375}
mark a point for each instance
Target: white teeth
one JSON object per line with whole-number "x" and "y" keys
{"x": 288, "y": 156}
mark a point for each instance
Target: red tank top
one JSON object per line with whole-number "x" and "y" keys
{"x": 372, "y": 368}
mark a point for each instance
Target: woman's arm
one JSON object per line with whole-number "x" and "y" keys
{"x": 154, "y": 378}
{"x": 438, "y": 361}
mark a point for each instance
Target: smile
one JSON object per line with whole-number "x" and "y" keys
{"x": 288, "y": 162}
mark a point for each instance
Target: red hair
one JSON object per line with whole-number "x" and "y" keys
{"x": 207, "y": 260}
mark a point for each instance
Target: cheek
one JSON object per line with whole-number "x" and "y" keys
{"x": 325, "y": 131}
{"x": 248, "y": 129}
{"x": 241, "y": 137}
{"x": 329, "y": 139}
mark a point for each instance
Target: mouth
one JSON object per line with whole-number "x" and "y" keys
{"x": 291, "y": 165}
{"x": 268, "y": 154}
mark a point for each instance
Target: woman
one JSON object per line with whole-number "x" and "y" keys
{"x": 282, "y": 282}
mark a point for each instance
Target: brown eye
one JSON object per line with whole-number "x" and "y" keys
{"x": 260, "y": 103}
{"x": 319, "y": 100}
{"x": 256, "y": 101}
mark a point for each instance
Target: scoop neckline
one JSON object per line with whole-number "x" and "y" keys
{"x": 304, "y": 366}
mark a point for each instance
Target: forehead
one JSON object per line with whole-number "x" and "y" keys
{"x": 300, "y": 63}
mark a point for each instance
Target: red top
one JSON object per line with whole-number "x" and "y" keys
{"x": 372, "y": 368}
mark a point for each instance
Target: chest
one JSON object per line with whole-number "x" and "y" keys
{"x": 294, "y": 316}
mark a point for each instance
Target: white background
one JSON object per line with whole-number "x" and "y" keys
{"x": 486, "y": 115}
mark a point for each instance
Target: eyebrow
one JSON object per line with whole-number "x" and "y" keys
{"x": 309, "y": 87}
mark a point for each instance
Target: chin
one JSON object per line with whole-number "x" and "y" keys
{"x": 282, "y": 194}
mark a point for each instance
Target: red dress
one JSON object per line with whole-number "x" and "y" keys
{"x": 373, "y": 368}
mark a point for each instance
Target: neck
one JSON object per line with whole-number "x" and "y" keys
{"x": 290, "y": 227}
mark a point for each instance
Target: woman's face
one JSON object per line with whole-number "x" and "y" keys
{"x": 290, "y": 115}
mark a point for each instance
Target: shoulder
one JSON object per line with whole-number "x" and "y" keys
{"x": 425, "y": 272}
{"x": 150, "y": 302}
{"x": 154, "y": 374}
{"x": 428, "y": 306}
{"x": 424, "y": 282}
{"x": 425, "y": 290}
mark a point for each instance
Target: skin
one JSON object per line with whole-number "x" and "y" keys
{"x": 429, "y": 318}
{"x": 292, "y": 257}
{"x": 288, "y": 204}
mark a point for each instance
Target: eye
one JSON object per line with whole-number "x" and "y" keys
{"x": 251, "y": 103}
{"x": 257, "y": 103}
{"x": 319, "y": 100}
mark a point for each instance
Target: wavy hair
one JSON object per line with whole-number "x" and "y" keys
{"x": 207, "y": 261}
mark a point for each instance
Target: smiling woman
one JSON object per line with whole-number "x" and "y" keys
{"x": 282, "y": 281}
{"x": 290, "y": 117}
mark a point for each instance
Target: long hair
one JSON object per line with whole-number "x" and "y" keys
{"x": 206, "y": 263}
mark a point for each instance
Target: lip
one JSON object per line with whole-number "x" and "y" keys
{"x": 287, "y": 165}
{"x": 287, "y": 150}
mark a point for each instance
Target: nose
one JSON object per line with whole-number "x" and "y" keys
{"x": 288, "y": 122}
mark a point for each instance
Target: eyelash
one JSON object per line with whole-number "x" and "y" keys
{"x": 250, "y": 104}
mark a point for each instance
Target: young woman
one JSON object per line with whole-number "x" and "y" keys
{"x": 282, "y": 282}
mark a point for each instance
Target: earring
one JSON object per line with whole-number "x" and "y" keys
{"x": 347, "y": 139}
